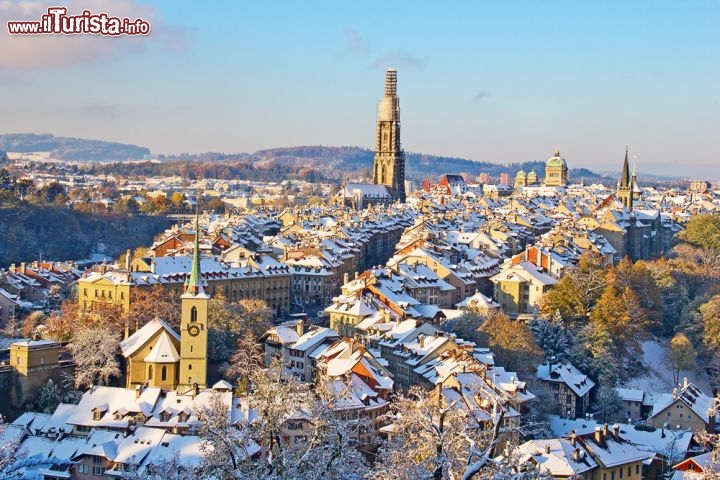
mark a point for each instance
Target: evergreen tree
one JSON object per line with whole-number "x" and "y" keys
{"x": 48, "y": 397}
{"x": 550, "y": 336}
{"x": 607, "y": 403}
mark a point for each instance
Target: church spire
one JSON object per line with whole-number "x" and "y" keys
{"x": 625, "y": 184}
{"x": 625, "y": 178}
{"x": 194, "y": 284}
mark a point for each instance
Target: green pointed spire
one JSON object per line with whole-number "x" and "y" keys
{"x": 194, "y": 284}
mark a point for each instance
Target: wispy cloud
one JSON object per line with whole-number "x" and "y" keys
{"x": 480, "y": 95}
{"x": 355, "y": 42}
{"x": 399, "y": 58}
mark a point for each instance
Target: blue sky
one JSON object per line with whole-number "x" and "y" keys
{"x": 496, "y": 81}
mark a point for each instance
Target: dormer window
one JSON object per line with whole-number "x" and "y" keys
{"x": 97, "y": 415}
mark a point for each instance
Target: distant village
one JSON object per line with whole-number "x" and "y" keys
{"x": 412, "y": 332}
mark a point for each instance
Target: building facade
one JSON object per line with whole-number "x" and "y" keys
{"x": 556, "y": 171}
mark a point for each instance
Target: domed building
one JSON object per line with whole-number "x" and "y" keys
{"x": 556, "y": 171}
{"x": 532, "y": 178}
{"x": 520, "y": 179}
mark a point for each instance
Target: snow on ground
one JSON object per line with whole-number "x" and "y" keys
{"x": 659, "y": 378}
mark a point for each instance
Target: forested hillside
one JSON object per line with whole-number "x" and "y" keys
{"x": 28, "y": 232}
{"x": 65, "y": 148}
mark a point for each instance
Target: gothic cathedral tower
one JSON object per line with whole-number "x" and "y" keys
{"x": 389, "y": 163}
{"x": 193, "y": 325}
{"x": 625, "y": 185}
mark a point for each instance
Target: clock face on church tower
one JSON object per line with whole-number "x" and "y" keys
{"x": 193, "y": 330}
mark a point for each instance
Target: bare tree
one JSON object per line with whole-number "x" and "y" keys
{"x": 95, "y": 353}
{"x": 247, "y": 359}
{"x": 436, "y": 441}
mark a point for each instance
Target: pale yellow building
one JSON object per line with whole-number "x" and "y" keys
{"x": 556, "y": 171}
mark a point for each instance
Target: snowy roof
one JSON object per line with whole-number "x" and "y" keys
{"x": 615, "y": 452}
{"x": 108, "y": 401}
{"x": 479, "y": 301}
{"x": 557, "y": 457}
{"x": 163, "y": 351}
{"x": 567, "y": 374}
{"x": 313, "y": 337}
{"x": 630, "y": 394}
{"x": 136, "y": 341}
{"x": 285, "y": 334}
{"x": 701, "y": 404}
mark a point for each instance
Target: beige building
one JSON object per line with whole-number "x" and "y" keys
{"x": 556, "y": 171}
{"x": 687, "y": 408}
{"x": 31, "y": 364}
{"x": 520, "y": 287}
{"x": 241, "y": 277}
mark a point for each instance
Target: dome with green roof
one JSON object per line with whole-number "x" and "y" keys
{"x": 520, "y": 174}
{"x": 556, "y": 160}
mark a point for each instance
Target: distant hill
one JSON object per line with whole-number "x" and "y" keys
{"x": 347, "y": 162}
{"x": 332, "y": 163}
{"x": 66, "y": 148}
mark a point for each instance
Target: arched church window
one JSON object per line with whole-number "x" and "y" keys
{"x": 150, "y": 372}
{"x": 163, "y": 375}
{"x": 193, "y": 314}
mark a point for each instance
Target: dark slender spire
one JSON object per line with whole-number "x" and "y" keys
{"x": 625, "y": 185}
{"x": 625, "y": 178}
{"x": 194, "y": 284}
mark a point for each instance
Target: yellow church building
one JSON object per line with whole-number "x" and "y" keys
{"x": 157, "y": 356}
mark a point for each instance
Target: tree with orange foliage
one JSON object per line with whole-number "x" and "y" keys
{"x": 149, "y": 303}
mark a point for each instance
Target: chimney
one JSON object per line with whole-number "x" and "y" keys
{"x": 195, "y": 390}
{"x": 599, "y": 439}
{"x": 346, "y": 278}
{"x": 575, "y": 455}
{"x": 616, "y": 431}
{"x": 685, "y": 382}
{"x": 421, "y": 340}
{"x": 23, "y": 269}
{"x": 127, "y": 260}
{"x": 138, "y": 391}
{"x": 547, "y": 448}
{"x": 605, "y": 430}
{"x": 573, "y": 440}
{"x": 12, "y": 268}
{"x": 152, "y": 266}
{"x": 300, "y": 327}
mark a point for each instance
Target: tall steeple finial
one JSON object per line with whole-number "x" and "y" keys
{"x": 194, "y": 284}
{"x": 625, "y": 185}
{"x": 625, "y": 178}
